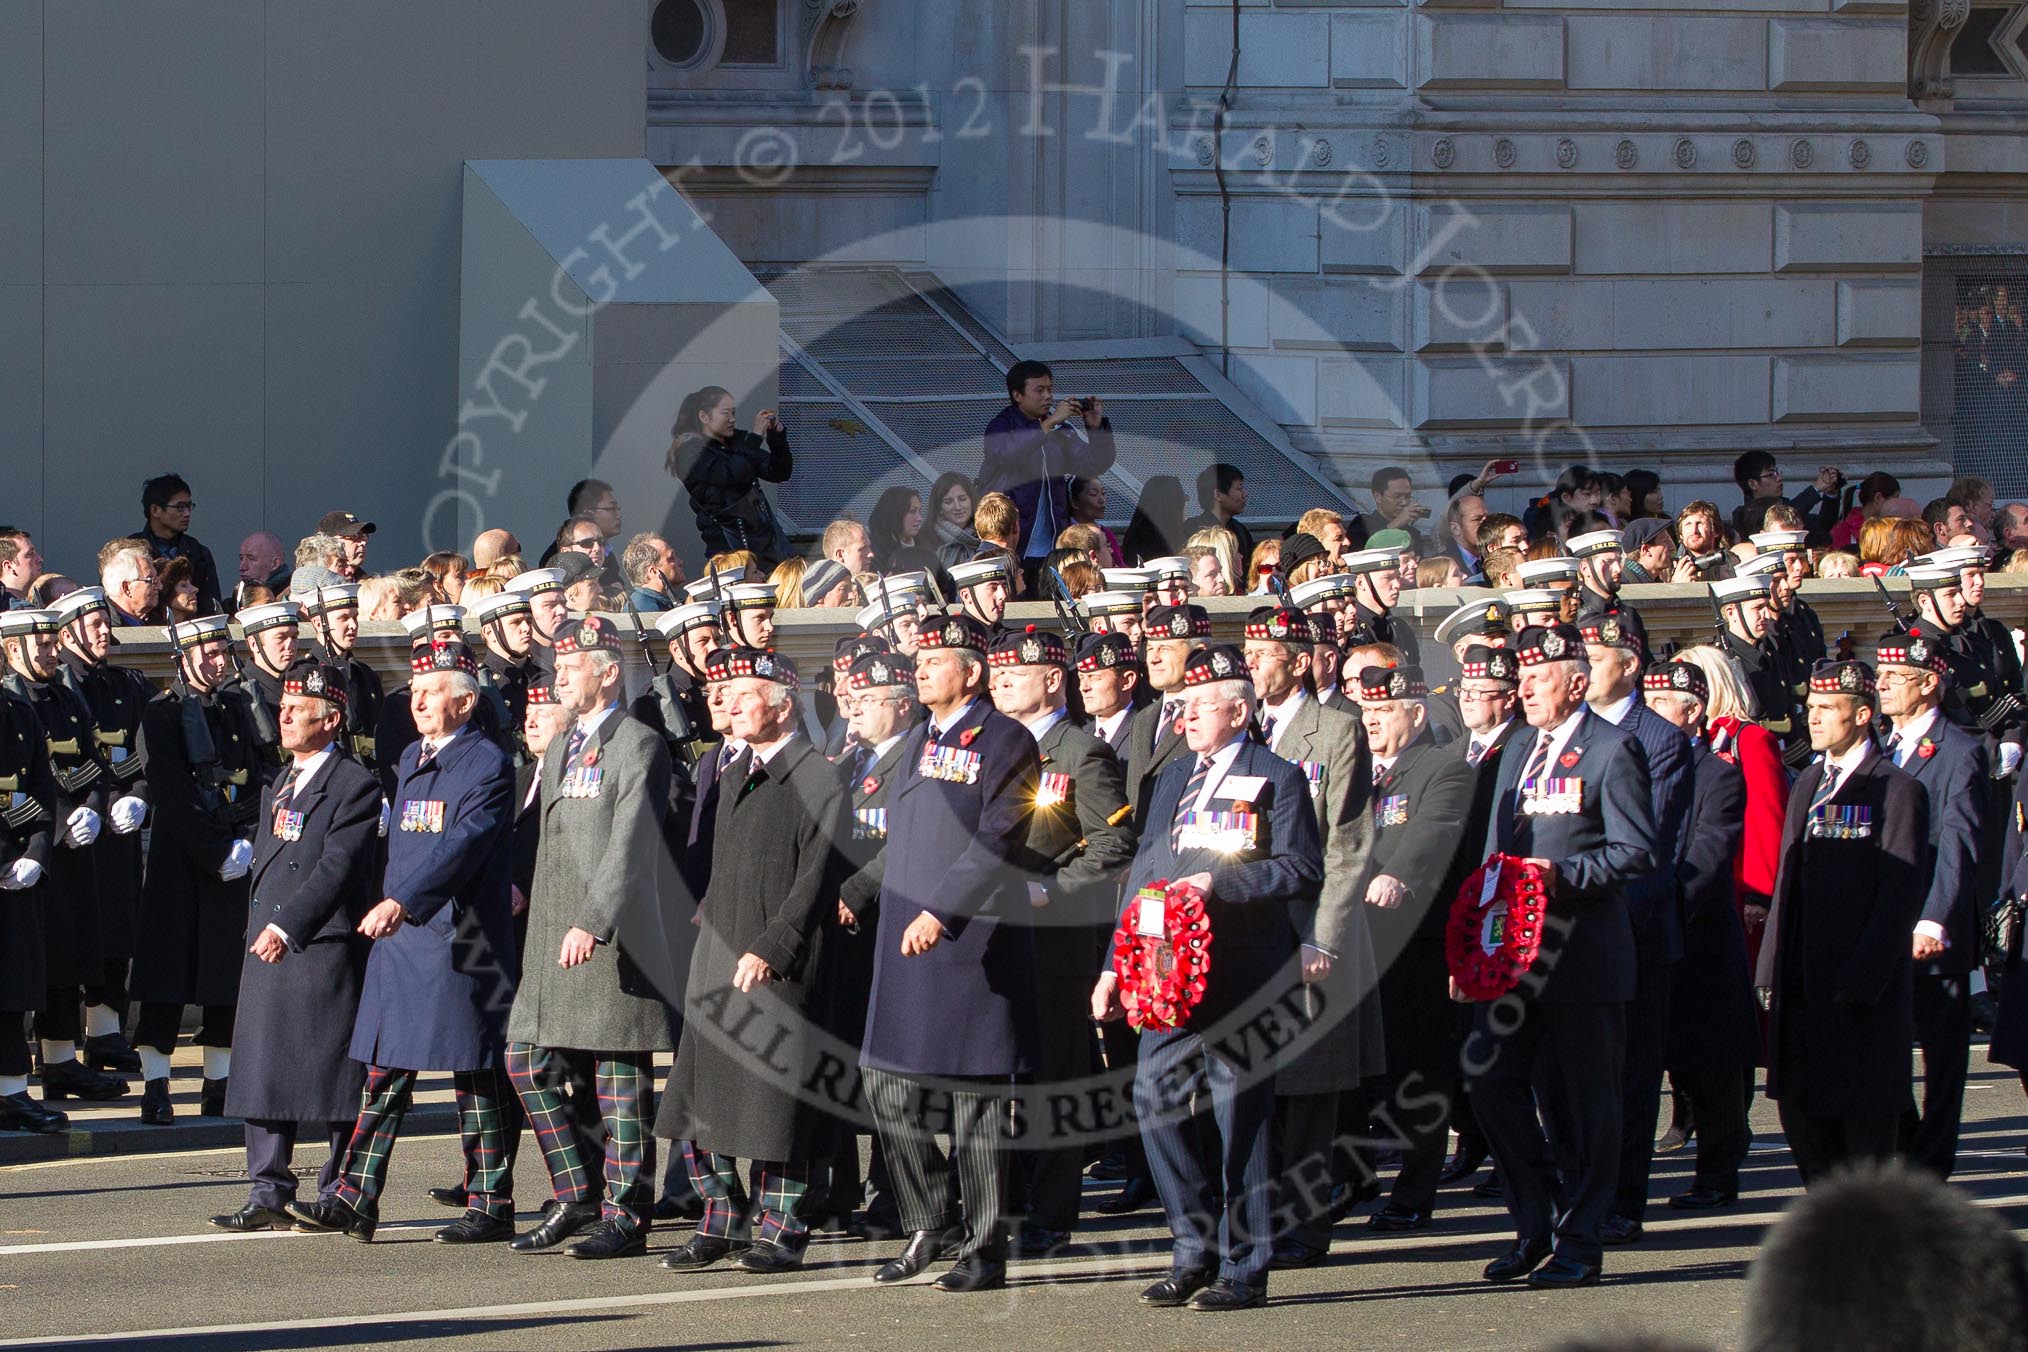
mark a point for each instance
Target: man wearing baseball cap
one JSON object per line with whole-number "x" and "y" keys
{"x": 352, "y": 533}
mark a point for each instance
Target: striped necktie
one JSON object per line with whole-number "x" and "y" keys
{"x": 1894, "y": 748}
{"x": 1825, "y": 790}
{"x": 1476, "y": 753}
{"x": 1189, "y": 803}
{"x": 1538, "y": 759}
{"x": 573, "y": 744}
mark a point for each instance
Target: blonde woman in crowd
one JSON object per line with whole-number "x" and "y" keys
{"x": 1267, "y": 557}
{"x": 1225, "y": 545}
{"x": 1837, "y": 563}
{"x": 1441, "y": 571}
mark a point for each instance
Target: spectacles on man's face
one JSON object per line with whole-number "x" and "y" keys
{"x": 587, "y": 543}
{"x": 185, "y": 505}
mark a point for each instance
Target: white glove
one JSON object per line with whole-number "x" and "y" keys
{"x": 81, "y": 828}
{"x": 385, "y": 809}
{"x": 2010, "y": 760}
{"x": 127, "y": 814}
{"x": 238, "y": 862}
{"x": 22, "y": 873}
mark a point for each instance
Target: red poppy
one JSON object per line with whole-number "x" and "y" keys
{"x": 591, "y": 757}
{"x": 1568, "y": 760}
{"x": 1162, "y": 979}
{"x": 1484, "y": 974}
{"x": 1925, "y": 748}
{"x": 869, "y": 786}
{"x": 966, "y": 737}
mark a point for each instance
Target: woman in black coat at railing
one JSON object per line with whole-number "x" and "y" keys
{"x": 722, "y": 469}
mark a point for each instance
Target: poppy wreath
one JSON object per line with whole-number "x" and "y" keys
{"x": 1495, "y": 929}
{"x": 1162, "y": 979}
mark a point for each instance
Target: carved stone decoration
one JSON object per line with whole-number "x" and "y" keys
{"x": 1444, "y": 153}
{"x": 1566, "y": 153}
{"x": 1382, "y": 156}
{"x": 1205, "y": 151}
{"x": 1504, "y": 153}
{"x": 1626, "y": 154}
{"x": 1917, "y": 154}
{"x": 1320, "y": 153}
{"x": 1801, "y": 153}
{"x": 824, "y": 32}
{"x": 1264, "y": 150}
{"x": 1861, "y": 154}
{"x": 1743, "y": 153}
{"x": 1686, "y": 154}
{"x": 1932, "y": 27}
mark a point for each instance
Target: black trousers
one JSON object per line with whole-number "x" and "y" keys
{"x": 1052, "y": 1165}
{"x": 1122, "y": 1048}
{"x": 1641, "y": 1085}
{"x": 14, "y": 1058}
{"x": 271, "y": 1148}
{"x": 62, "y": 1017}
{"x": 908, "y": 1113}
{"x": 159, "y": 1023}
{"x": 1943, "y": 1029}
{"x": 1421, "y": 1096}
{"x": 1575, "y": 1052}
{"x": 111, "y": 988}
{"x": 1719, "y": 1112}
{"x": 1307, "y": 1166}
{"x": 1821, "y": 1143}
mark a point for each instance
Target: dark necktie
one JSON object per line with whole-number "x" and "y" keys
{"x": 1538, "y": 759}
{"x": 862, "y": 762}
{"x": 1894, "y": 748}
{"x": 1170, "y": 709}
{"x": 286, "y": 789}
{"x": 573, "y": 744}
{"x": 429, "y": 753}
{"x": 1189, "y": 803}
{"x": 1826, "y": 790}
{"x": 1476, "y": 753}
{"x": 1267, "y": 730}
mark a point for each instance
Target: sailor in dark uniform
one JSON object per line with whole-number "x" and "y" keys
{"x": 506, "y": 662}
{"x": 272, "y": 633}
{"x": 1804, "y": 626}
{"x": 750, "y": 614}
{"x": 1558, "y": 574}
{"x": 548, "y": 612}
{"x": 1600, "y": 566}
{"x": 1119, "y": 611}
{"x": 28, "y": 833}
{"x": 1486, "y": 623}
{"x": 333, "y": 612}
{"x": 1743, "y": 605}
{"x": 984, "y": 587}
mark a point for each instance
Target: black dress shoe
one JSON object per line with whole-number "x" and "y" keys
{"x": 1223, "y": 1295}
{"x": 110, "y": 1052}
{"x": 1490, "y": 1188}
{"x": 1462, "y": 1166}
{"x": 1394, "y": 1219}
{"x": 155, "y": 1108}
{"x": 1288, "y": 1254}
{"x": 1037, "y": 1241}
{"x": 328, "y": 1214}
{"x": 454, "y": 1198}
{"x": 18, "y": 1112}
{"x": 609, "y": 1239}
{"x": 1702, "y": 1198}
{"x": 975, "y": 1273}
{"x": 211, "y": 1103}
{"x": 559, "y": 1224}
{"x": 1619, "y": 1230}
{"x": 678, "y": 1209}
{"x": 766, "y": 1257}
{"x": 1674, "y": 1139}
{"x": 74, "y": 1079}
{"x": 476, "y": 1227}
{"x": 1561, "y": 1273}
{"x": 252, "y": 1217}
{"x": 922, "y": 1249}
{"x": 699, "y": 1251}
{"x": 1518, "y": 1261}
{"x": 1135, "y": 1193}
{"x": 1177, "y": 1287}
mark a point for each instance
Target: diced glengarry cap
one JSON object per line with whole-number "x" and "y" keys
{"x": 852, "y": 647}
{"x": 1731, "y": 589}
{"x": 1309, "y": 595}
{"x": 427, "y": 620}
{"x": 443, "y": 656}
{"x": 1535, "y": 572}
{"x": 75, "y": 605}
{"x": 542, "y": 690}
{"x": 1184, "y": 621}
{"x": 1683, "y": 678}
{"x": 1490, "y": 664}
{"x": 15, "y": 623}
{"x": 1104, "y": 652}
{"x": 681, "y": 620}
{"x": 1278, "y": 624}
{"x": 959, "y": 632}
{"x": 1832, "y": 677}
{"x": 499, "y": 606}
{"x": 536, "y": 581}
{"x": 763, "y": 664}
{"x": 718, "y": 664}
{"x": 1607, "y": 630}
{"x": 315, "y": 680}
{"x": 1780, "y": 541}
{"x": 1540, "y": 643}
{"x": 880, "y": 671}
{"x": 188, "y": 634}
{"x": 1112, "y": 602}
{"x": 1032, "y": 647}
{"x": 971, "y": 574}
{"x": 271, "y": 615}
{"x": 1391, "y": 683}
{"x": 589, "y": 635}
{"x": 1220, "y": 662}
{"x": 337, "y": 596}
{"x": 1490, "y": 616}
{"x": 1912, "y": 649}
{"x": 1594, "y": 542}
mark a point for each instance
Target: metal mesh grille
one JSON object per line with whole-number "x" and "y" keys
{"x": 1975, "y": 367}
{"x": 1160, "y": 375}
{"x": 840, "y": 464}
{"x": 880, "y": 378}
{"x": 948, "y": 301}
{"x": 796, "y": 382}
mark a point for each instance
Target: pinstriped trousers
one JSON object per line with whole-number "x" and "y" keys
{"x": 908, "y": 1113}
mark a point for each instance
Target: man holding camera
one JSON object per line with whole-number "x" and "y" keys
{"x": 1033, "y": 448}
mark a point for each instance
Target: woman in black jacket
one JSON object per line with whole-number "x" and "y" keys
{"x": 722, "y": 467}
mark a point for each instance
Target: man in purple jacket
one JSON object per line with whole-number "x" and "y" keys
{"x": 1032, "y": 450}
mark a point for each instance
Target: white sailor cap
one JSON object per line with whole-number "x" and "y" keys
{"x": 1768, "y": 564}
{"x": 1956, "y": 557}
{"x": 1128, "y": 579}
{"x": 682, "y": 619}
{"x": 499, "y": 605}
{"x": 1166, "y": 567}
{"x": 1740, "y": 588}
{"x": 1113, "y": 602}
{"x": 1318, "y": 590}
{"x": 996, "y": 568}
{"x": 1922, "y": 578}
{"x": 75, "y": 605}
{"x": 536, "y": 581}
{"x": 426, "y": 620}
{"x": 15, "y": 623}
{"x": 1594, "y": 542}
{"x": 751, "y": 596}
{"x": 1556, "y": 568}
{"x": 272, "y": 615}
{"x": 336, "y": 596}
{"x": 1531, "y": 600}
{"x": 1475, "y": 619}
{"x": 900, "y": 586}
{"x": 1780, "y": 541}
{"x": 1373, "y": 561}
{"x": 205, "y": 629}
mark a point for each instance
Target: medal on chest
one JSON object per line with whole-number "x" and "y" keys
{"x": 288, "y": 825}
{"x": 422, "y": 814}
{"x": 1391, "y": 810}
{"x": 1232, "y": 832}
{"x": 1053, "y": 790}
{"x": 869, "y": 823}
{"x": 582, "y": 782}
{"x": 1552, "y": 797}
{"x": 1841, "y": 821}
{"x": 949, "y": 764}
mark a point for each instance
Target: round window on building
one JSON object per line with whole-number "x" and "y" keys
{"x": 682, "y": 31}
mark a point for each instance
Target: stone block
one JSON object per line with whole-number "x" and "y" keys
{"x": 1460, "y": 51}
{"x": 1361, "y": 392}
{"x": 1276, "y": 51}
{"x": 1499, "y": 239}
{"x": 1868, "y": 237}
{"x": 1674, "y": 390}
{"x": 1339, "y": 313}
{"x": 1458, "y": 312}
{"x": 1697, "y": 237}
{"x": 1843, "y": 389}
{"x": 1284, "y": 387}
{"x": 1524, "y": 392}
{"x": 1269, "y": 234}
{"x": 1879, "y": 314}
{"x": 1636, "y": 51}
{"x": 1364, "y": 233}
{"x": 1369, "y": 51}
{"x": 1823, "y": 54}
{"x": 1679, "y": 312}
{"x": 1197, "y": 306}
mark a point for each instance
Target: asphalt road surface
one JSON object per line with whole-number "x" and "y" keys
{"x": 115, "y": 1252}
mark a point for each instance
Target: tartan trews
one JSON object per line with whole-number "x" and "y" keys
{"x": 489, "y": 1118}
{"x": 626, "y": 1090}
{"x": 727, "y": 1208}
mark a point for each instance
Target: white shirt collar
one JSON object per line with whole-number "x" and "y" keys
{"x": 1849, "y": 762}
{"x": 939, "y": 729}
{"x": 1106, "y": 727}
{"x": 1912, "y": 730}
{"x": 590, "y": 722}
{"x": 887, "y": 744}
{"x": 1616, "y": 713}
{"x": 1221, "y": 765}
{"x": 1559, "y": 738}
{"x": 306, "y": 769}
{"x": 763, "y": 757}
{"x": 1486, "y": 739}
{"x": 1283, "y": 714}
{"x": 436, "y": 744}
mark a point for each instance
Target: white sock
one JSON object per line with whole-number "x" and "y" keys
{"x": 1978, "y": 982}
{"x": 13, "y": 1084}
{"x": 154, "y": 1064}
{"x": 217, "y": 1062}
{"x": 56, "y": 1053}
{"x": 101, "y": 1021}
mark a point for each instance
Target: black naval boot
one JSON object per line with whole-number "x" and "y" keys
{"x": 110, "y": 1052}
{"x": 212, "y": 1101}
{"x": 73, "y": 1079}
{"x": 155, "y": 1108}
{"x": 18, "y": 1112}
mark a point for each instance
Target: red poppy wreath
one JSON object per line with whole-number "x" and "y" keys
{"x": 1495, "y": 928}
{"x": 1162, "y": 961}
